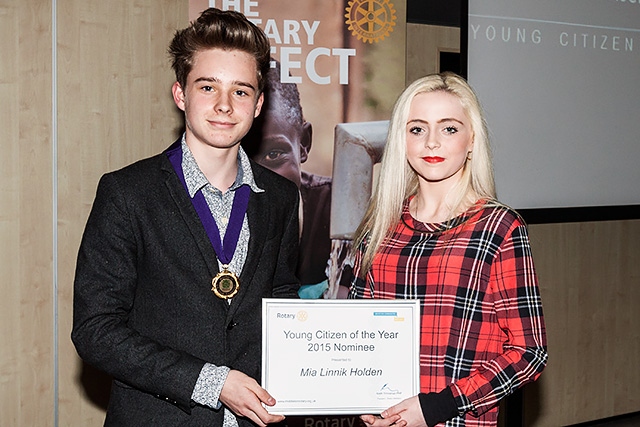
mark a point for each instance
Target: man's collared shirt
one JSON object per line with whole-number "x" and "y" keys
{"x": 220, "y": 203}
{"x": 211, "y": 380}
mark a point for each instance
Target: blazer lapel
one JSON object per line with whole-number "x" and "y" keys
{"x": 190, "y": 217}
{"x": 257, "y": 215}
{"x": 258, "y": 227}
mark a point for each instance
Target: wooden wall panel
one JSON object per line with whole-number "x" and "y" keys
{"x": 424, "y": 44}
{"x": 26, "y": 314}
{"x": 590, "y": 283}
{"x": 115, "y": 107}
{"x": 9, "y": 216}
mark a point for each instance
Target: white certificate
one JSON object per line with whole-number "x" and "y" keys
{"x": 330, "y": 357}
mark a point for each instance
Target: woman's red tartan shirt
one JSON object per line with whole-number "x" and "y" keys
{"x": 482, "y": 329}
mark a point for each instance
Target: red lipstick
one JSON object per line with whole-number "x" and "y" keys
{"x": 433, "y": 159}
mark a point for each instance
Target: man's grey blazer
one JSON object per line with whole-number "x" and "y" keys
{"x": 144, "y": 311}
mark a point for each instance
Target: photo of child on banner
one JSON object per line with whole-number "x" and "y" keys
{"x": 280, "y": 140}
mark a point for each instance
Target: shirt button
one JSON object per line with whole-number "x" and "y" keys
{"x": 231, "y": 326}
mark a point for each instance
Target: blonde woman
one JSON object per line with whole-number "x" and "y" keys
{"x": 435, "y": 231}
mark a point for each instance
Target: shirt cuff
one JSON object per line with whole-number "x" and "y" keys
{"x": 209, "y": 385}
{"x": 438, "y": 407}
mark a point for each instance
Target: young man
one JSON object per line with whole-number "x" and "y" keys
{"x": 180, "y": 249}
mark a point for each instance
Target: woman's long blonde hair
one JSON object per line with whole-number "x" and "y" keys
{"x": 397, "y": 180}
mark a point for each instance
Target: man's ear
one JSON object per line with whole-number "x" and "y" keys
{"x": 178, "y": 95}
{"x": 259, "y": 104}
{"x": 305, "y": 141}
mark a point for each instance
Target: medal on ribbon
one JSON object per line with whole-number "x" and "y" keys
{"x": 226, "y": 283}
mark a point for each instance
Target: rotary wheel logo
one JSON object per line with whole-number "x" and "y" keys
{"x": 370, "y": 20}
{"x": 302, "y": 316}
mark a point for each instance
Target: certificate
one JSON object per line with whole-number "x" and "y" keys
{"x": 331, "y": 357}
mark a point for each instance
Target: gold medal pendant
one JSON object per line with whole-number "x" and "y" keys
{"x": 226, "y": 284}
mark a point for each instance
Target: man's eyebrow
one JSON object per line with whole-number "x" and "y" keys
{"x": 216, "y": 80}
{"x": 206, "y": 79}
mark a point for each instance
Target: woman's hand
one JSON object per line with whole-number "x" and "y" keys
{"x": 380, "y": 421}
{"x": 407, "y": 413}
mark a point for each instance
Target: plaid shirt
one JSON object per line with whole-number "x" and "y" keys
{"x": 482, "y": 329}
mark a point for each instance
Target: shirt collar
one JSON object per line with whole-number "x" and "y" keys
{"x": 196, "y": 180}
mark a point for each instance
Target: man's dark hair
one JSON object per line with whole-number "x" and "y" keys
{"x": 217, "y": 29}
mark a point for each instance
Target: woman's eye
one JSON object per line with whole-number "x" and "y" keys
{"x": 416, "y": 130}
{"x": 450, "y": 129}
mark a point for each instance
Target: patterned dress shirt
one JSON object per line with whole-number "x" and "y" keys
{"x": 209, "y": 385}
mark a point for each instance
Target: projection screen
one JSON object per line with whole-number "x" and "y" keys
{"x": 560, "y": 85}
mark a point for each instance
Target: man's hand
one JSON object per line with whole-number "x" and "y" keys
{"x": 244, "y": 396}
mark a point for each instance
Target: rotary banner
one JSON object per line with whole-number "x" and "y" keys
{"x": 337, "y": 68}
{"x": 334, "y": 63}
